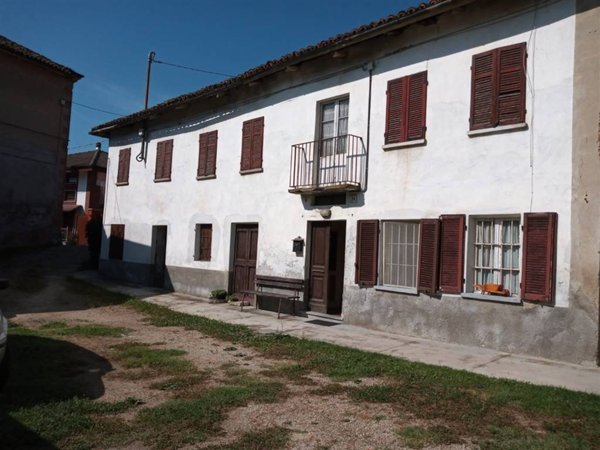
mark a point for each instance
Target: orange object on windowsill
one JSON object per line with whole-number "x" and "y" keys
{"x": 492, "y": 289}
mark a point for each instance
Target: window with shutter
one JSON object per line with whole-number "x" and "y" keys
{"x": 406, "y": 108}
{"x": 366, "y": 252}
{"x": 498, "y": 87}
{"x": 539, "y": 253}
{"x": 207, "y": 155}
{"x": 429, "y": 244}
{"x": 399, "y": 254}
{"x": 452, "y": 240}
{"x": 164, "y": 158}
{"x": 123, "y": 170}
{"x": 117, "y": 238}
{"x": 252, "y": 145}
{"x": 203, "y": 242}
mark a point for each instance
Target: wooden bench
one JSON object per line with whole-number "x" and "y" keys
{"x": 293, "y": 286}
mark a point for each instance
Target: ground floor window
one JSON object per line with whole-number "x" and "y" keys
{"x": 496, "y": 250}
{"x": 203, "y": 242}
{"x": 400, "y": 253}
{"x": 117, "y": 239}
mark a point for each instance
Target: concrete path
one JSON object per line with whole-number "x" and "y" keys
{"x": 479, "y": 360}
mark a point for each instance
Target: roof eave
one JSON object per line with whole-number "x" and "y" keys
{"x": 443, "y": 6}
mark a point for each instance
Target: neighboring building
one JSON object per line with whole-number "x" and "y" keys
{"x": 441, "y": 164}
{"x": 85, "y": 179}
{"x": 35, "y": 112}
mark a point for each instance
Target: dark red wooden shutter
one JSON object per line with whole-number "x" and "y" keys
{"x": 205, "y": 242}
{"x": 367, "y": 237}
{"x": 202, "y": 155}
{"x": 168, "y": 159}
{"x": 160, "y": 160}
{"x": 417, "y": 106}
{"x": 123, "y": 170}
{"x": 452, "y": 250}
{"x": 115, "y": 245}
{"x": 257, "y": 143}
{"x": 483, "y": 90}
{"x": 211, "y": 153}
{"x": 246, "y": 161}
{"x": 394, "y": 124}
{"x": 539, "y": 253}
{"x": 429, "y": 247}
{"x": 207, "y": 154}
{"x": 511, "y": 84}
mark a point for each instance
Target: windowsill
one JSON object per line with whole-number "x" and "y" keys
{"x": 122, "y": 183}
{"x": 207, "y": 177}
{"x": 162, "y": 180}
{"x": 406, "y": 144}
{"x": 491, "y": 298}
{"x": 397, "y": 290}
{"x": 251, "y": 171}
{"x": 498, "y": 130}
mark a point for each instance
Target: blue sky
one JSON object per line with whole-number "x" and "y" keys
{"x": 108, "y": 42}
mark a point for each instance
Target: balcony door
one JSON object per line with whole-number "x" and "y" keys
{"x": 332, "y": 148}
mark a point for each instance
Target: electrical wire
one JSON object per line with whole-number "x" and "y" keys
{"x": 96, "y": 109}
{"x": 81, "y": 146}
{"x": 192, "y": 68}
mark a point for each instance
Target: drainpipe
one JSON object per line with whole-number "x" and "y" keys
{"x": 369, "y": 66}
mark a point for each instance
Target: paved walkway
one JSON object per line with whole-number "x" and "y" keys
{"x": 479, "y": 360}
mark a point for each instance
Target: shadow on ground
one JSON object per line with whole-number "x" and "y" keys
{"x": 43, "y": 372}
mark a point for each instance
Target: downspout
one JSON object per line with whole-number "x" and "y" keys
{"x": 369, "y": 66}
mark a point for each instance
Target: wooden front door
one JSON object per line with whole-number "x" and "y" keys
{"x": 319, "y": 266}
{"x": 159, "y": 254}
{"x": 326, "y": 271}
{"x": 244, "y": 258}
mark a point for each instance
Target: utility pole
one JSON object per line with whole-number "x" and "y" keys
{"x": 151, "y": 56}
{"x": 142, "y": 133}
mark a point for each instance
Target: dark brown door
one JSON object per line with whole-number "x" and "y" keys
{"x": 159, "y": 254}
{"x": 244, "y": 259}
{"x": 319, "y": 266}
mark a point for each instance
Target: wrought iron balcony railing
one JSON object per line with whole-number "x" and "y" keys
{"x": 337, "y": 163}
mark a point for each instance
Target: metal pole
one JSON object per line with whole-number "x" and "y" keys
{"x": 151, "y": 56}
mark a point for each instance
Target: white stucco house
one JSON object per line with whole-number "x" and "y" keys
{"x": 438, "y": 170}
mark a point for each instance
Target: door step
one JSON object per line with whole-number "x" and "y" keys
{"x": 323, "y": 316}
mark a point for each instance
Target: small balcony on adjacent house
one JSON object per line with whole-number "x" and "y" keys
{"x": 332, "y": 164}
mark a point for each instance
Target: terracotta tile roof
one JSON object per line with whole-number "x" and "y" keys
{"x": 92, "y": 158}
{"x": 273, "y": 65}
{"x": 17, "y": 49}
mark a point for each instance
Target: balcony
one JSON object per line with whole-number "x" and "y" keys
{"x": 332, "y": 164}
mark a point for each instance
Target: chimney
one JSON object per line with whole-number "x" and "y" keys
{"x": 98, "y": 146}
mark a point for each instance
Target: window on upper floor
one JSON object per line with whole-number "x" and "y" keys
{"x": 123, "y": 169}
{"x": 406, "y": 109}
{"x": 207, "y": 155}
{"x": 116, "y": 241}
{"x": 71, "y": 178}
{"x": 333, "y": 127}
{"x": 164, "y": 160}
{"x": 252, "y": 145}
{"x": 498, "y": 80}
{"x": 203, "y": 242}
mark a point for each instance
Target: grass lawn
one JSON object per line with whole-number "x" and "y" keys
{"x": 448, "y": 406}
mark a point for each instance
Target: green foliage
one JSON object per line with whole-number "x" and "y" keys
{"x": 166, "y": 361}
{"x": 420, "y": 437}
{"x": 219, "y": 294}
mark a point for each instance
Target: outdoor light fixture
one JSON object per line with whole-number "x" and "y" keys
{"x": 298, "y": 244}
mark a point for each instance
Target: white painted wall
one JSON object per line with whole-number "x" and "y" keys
{"x": 511, "y": 173}
{"x": 81, "y": 188}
